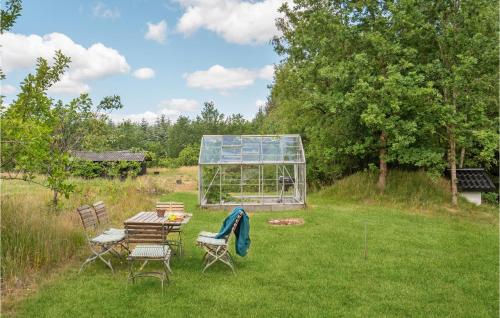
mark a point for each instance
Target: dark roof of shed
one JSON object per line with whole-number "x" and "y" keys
{"x": 474, "y": 179}
{"x": 109, "y": 155}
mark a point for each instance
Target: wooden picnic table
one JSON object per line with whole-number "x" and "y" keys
{"x": 146, "y": 224}
{"x": 152, "y": 218}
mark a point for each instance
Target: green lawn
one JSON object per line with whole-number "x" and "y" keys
{"x": 418, "y": 266}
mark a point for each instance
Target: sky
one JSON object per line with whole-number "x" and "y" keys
{"x": 161, "y": 57}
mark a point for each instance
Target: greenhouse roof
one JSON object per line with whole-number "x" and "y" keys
{"x": 251, "y": 149}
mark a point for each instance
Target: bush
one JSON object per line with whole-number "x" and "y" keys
{"x": 86, "y": 169}
{"x": 189, "y": 155}
{"x": 122, "y": 168}
{"x": 168, "y": 163}
{"x": 490, "y": 197}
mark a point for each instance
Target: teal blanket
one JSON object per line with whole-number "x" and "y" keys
{"x": 242, "y": 231}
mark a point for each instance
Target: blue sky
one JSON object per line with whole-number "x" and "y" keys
{"x": 198, "y": 50}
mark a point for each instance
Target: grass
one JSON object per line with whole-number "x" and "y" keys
{"x": 419, "y": 264}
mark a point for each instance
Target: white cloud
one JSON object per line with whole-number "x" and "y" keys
{"x": 97, "y": 61}
{"x": 7, "y": 89}
{"x": 170, "y": 108}
{"x": 223, "y": 79}
{"x": 101, "y": 10}
{"x": 237, "y": 21}
{"x": 267, "y": 72}
{"x": 180, "y": 104}
{"x": 144, "y": 73}
{"x": 156, "y": 32}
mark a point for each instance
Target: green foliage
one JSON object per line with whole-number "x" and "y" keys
{"x": 490, "y": 197}
{"x": 189, "y": 155}
{"x": 86, "y": 169}
{"x": 9, "y": 15}
{"x": 168, "y": 162}
{"x": 122, "y": 169}
{"x": 38, "y": 132}
{"x": 411, "y": 189}
{"x": 372, "y": 81}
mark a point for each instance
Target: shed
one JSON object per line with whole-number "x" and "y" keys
{"x": 471, "y": 182}
{"x": 258, "y": 172}
{"x": 113, "y": 156}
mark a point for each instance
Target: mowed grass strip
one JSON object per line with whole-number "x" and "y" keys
{"x": 418, "y": 266}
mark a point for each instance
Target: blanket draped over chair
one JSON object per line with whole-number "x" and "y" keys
{"x": 242, "y": 231}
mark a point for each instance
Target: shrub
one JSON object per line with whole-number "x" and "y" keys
{"x": 189, "y": 155}
{"x": 86, "y": 169}
{"x": 490, "y": 197}
{"x": 168, "y": 163}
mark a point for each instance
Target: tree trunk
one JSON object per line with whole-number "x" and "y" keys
{"x": 462, "y": 156}
{"x": 453, "y": 169}
{"x": 382, "y": 176}
{"x": 55, "y": 198}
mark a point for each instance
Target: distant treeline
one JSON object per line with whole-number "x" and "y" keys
{"x": 174, "y": 143}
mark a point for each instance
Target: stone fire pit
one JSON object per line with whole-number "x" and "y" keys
{"x": 289, "y": 221}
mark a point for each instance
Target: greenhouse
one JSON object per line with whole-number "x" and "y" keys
{"x": 258, "y": 172}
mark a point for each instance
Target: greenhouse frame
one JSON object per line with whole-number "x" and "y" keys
{"x": 257, "y": 172}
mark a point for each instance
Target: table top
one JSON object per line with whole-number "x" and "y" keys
{"x": 153, "y": 218}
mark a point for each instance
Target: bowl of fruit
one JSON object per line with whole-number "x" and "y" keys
{"x": 175, "y": 218}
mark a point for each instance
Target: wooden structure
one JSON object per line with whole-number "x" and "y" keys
{"x": 471, "y": 182}
{"x": 113, "y": 156}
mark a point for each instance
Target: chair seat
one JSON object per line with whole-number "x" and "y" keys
{"x": 207, "y": 234}
{"x": 150, "y": 251}
{"x": 108, "y": 238}
{"x": 211, "y": 241}
{"x": 115, "y": 231}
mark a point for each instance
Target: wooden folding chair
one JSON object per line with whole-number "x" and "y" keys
{"x": 101, "y": 244}
{"x": 103, "y": 219}
{"x": 217, "y": 249}
{"x": 173, "y": 208}
{"x": 152, "y": 245}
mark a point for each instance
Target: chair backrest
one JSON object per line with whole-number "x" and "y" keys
{"x": 146, "y": 233}
{"x": 235, "y": 225}
{"x": 88, "y": 217}
{"x": 101, "y": 213}
{"x": 173, "y": 207}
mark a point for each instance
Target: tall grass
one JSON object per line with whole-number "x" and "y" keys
{"x": 36, "y": 238}
{"x": 409, "y": 189}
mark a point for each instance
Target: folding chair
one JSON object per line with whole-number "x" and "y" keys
{"x": 103, "y": 219}
{"x": 152, "y": 245}
{"x": 217, "y": 249}
{"x": 173, "y": 208}
{"x": 100, "y": 244}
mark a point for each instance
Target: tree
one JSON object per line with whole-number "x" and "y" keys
{"x": 465, "y": 68}
{"x": 38, "y": 133}
{"x": 349, "y": 70}
{"x": 385, "y": 81}
{"x": 8, "y": 17}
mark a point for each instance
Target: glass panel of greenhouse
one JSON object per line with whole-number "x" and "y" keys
{"x": 253, "y": 171}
